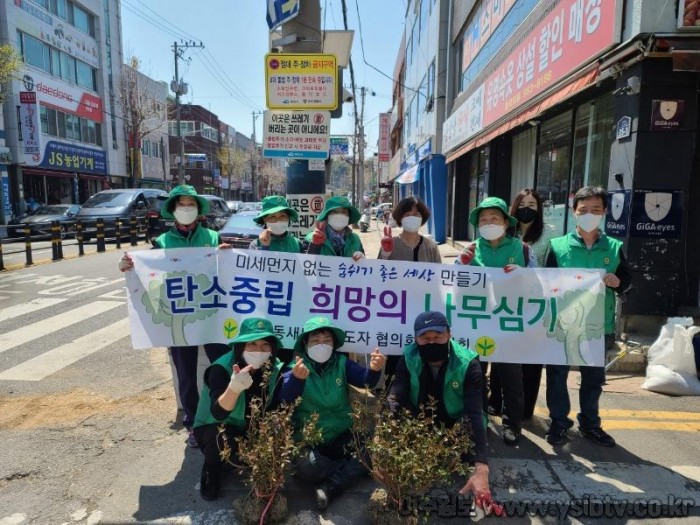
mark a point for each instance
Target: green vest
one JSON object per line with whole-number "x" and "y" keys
{"x": 509, "y": 251}
{"x": 283, "y": 243}
{"x": 571, "y": 252}
{"x": 200, "y": 237}
{"x": 453, "y": 387}
{"x": 352, "y": 244}
{"x": 327, "y": 395}
{"x": 237, "y": 416}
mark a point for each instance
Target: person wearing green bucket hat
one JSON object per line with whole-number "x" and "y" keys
{"x": 230, "y": 383}
{"x": 276, "y": 215}
{"x": 185, "y": 205}
{"x": 332, "y": 235}
{"x": 496, "y": 249}
{"x": 321, "y": 376}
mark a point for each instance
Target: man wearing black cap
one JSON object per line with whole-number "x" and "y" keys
{"x": 437, "y": 366}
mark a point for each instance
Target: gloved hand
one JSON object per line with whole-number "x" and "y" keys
{"x": 319, "y": 235}
{"x": 357, "y": 256}
{"x": 126, "y": 263}
{"x": 387, "y": 241}
{"x": 240, "y": 379}
{"x": 467, "y": 254}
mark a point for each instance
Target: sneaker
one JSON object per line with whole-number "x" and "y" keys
{"x": 598, "y": 435}
{"x": 322, "y": 497}
{"x": 511, "y": 437}
{"x": 191, "y": 439}
{"x": 556, "y": 435}
{"x": 209, "y": 483}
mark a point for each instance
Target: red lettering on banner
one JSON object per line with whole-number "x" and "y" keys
{"x": 90, "y": 107}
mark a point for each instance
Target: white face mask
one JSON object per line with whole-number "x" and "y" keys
{"x": 588, "y": 222}
{"x": 256, "y": 359}
{"x": 278, "y": 228}
{"x": 186, "y": 215}
{"x": 338, "y": 221}
{"x": 411, "y": 223}
{"x": 491, "y": 232}
{"x": 320, "y": 353}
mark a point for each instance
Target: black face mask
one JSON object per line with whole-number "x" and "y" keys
{"x": 433, "y": 352}
{"x": 526, "y": 215}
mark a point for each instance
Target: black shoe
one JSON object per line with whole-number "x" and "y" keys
{"x": 556, "y": 435}
{"x": 209, "y": 483}
{"x": 511, "y": 437}
{"x": 598, "y": 435}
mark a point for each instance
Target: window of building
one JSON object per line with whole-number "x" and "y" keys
{"x": 84, "y": 74}
{"x": 59, "y": 124}
{"x": 430, "y": 87}
{"x": 68, "y": 68}
{"x": 425, "y": 4}
{"x": 59, "y": 8}
{"x": 186, "y": 127}
{"x": 93, "y": 136}
{"x": 209, "y": 133}
{"x": 35, "y": 53}
{"x": 81, "y": 19}
{"x": 420, "y": 97}
{"x": 55, "y": 62}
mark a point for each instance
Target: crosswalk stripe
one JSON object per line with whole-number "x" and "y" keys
{"x": 52, "y": 324}
{"x": 54, "y": 360}
{"x": 32, "y": 306}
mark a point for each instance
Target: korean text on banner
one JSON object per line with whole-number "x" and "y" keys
{"x": 192, "y": 296}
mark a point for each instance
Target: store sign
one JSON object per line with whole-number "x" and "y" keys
{"x": 296, "y": 134}
{"x": 486, "y": 19}
{"x": 657, "y": 214}
{"x": 667, "y": 114}
{"x": 624, "y": 128}
{"x": 617, "y": 219}
{"x": 56, "y": 33}
{"x": 570, "y": 35}
{"x": 61, "y": 95}
{"x": 6, "y": 206}
{"x": 317, "y": 165}
{"x": 689, "y": 15}
{"x": 68, "y": 157}
{"x": 384, "y": 137}
{"x": 298, "y": 81}
{"x": 339, "y": 146}
{"x": 29, "y": 125}
{"x": 196, "y": 157}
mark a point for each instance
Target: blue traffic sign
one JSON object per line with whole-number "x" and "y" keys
{"x": 281, "y": 11}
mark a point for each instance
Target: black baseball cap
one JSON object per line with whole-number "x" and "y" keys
{"x": 430, "y": 321}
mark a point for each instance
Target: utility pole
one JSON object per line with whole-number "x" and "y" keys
{"x": 255, "y": 166}
{"x": 361, "y": 152}
{"x": 180, "y": 88}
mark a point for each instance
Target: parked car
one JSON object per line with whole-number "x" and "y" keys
{"x": 218, "y": 214}
{"x": 240, "y": 229}
{"x": 40, "y": 220}
{"x": 111, "y": 205}
{"x": 251, "y": 206}
{"x": 234, "y": 206}
{"x": 379, "y": 210}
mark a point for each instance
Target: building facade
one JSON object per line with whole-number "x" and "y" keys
{"x": 62, "y": 120}
{"x": 560, "y": 94}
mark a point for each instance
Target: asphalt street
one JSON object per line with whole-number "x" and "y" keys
{"x": 89, "y": 432}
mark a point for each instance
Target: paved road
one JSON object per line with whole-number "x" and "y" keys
{"x": 89, "y": 434}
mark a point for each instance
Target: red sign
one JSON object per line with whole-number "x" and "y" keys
{"x": 573, "y": 33}
{"x": 385, "y": 137}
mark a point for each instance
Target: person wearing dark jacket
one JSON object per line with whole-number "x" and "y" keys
{"x": 229, "y": 385}
{"x": 321, "y": 376}
{"x": 586, "y": 247}
{"x": 436, "y": 366}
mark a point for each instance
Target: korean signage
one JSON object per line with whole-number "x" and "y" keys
{"x": 688, "y": 14}
{"x": 657, "y": 214}
{"x": 29, "y": 125}
{"x": 667, "y": 114}
{"x": 68, "y": 157}
{"x": 384, "y": 137}
{"x": 571, "y": 34}
{"x": 617, "y": 219}
{"x": 339, "y": 146}
{"x": 64, "y": 96}
{"x": 297, "y": 81}
{"x": 485, "y": 21}
{"x": 56, "y": 33}
{"x": 189, "y": 296}
{"x": 308, "y": 206}
{"x": 296, "y": 134}
{"x": 5, "y": 189}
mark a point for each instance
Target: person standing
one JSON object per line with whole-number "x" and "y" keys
{"x": 184, "y": 206}
{"x": 586, "y": 247}
{"x": 336, "y": 238}
{"x": 276, "y": 216}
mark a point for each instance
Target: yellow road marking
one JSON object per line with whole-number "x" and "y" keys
{"x": 636, "y": 414}
{"x": 618, "y": 424}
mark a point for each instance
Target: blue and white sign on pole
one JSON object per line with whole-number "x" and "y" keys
{"x": 281, "y": 11}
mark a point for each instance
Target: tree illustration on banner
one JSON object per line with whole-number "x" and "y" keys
{"x": 160, "y": 307}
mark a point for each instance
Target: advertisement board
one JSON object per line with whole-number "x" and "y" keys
{"x": 298, "y": 81}
{"x": 30, "y": 132}
{"x": 70, "y": 157}
{"x": 296, "y": 134}
{"x": 61, "y": 95}
{"x": 384, "y": 137}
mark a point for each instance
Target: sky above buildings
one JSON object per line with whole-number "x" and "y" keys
{"x": 227, "y": 76}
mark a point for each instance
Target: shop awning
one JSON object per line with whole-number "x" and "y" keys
{"x": 564, "y": 92}
{"x": 409, "y": 176}
{"x": 47, "y": 173}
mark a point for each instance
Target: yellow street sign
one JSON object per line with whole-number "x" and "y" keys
{"x": 301, "y": 81}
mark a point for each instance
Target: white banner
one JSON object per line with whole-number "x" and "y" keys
{"x": 200, "y": 295}
{"x": 29, "y": 121}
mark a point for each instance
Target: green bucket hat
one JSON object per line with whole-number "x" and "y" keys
{"x": 255, "y": 328}
{"x": 273, "y": 204}
{"x": 491, "y": 202}
{"x": 183, "y": 190}
{"x": 317, "y": 323}
{"x": 339, "y": 202}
